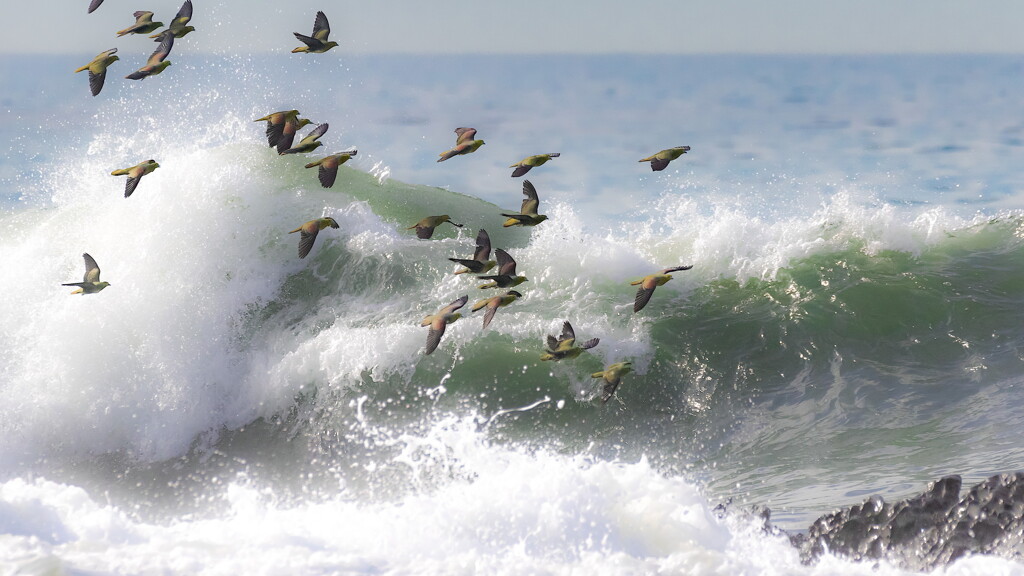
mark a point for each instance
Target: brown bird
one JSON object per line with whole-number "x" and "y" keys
{"x": 281, "y": 128}
{"x": 178, "y": 27}
{"x": 438, "y": 322}
{"x": 425, "y": 228}
{"x": 506, "y": 276}
{"x": 528, "y": 212}
{"x": 309, "y": 143}
{"x": 660, "y": 160}
{"x": 98, "y": 69}
{"x": 156, "y": 63}
{"x": 565, "y": 345}
{"x": 329, "y": 166}
{"x": 143, "y": 24}
{"x": 464, "y": 144}
{"x": 493, "y": 303}
{"x": 135, "y": 174}
{"x": 481, "y": 261}
{"x": 648, "y": 283}
{"x": 90, "y": 283}
{"x": 524, "y": 165}
{"x": 318, "y": 42}
{"x": 612, "y": 376}
{"x": 309, "y": 230}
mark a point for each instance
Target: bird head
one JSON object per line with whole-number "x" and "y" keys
{"x": 186, "y": 30}
{"x": 453, "y": 317}
{"x": 161, "y": 66}
{"x": 540, "y": 218}
{"x": 102, "y": 285}
{"x": 303, "y": 121}
{"x": 114, "y": 59}
{"x": 330, "y": 45}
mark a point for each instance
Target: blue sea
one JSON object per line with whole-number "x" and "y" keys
{"x": 853, "y": 323}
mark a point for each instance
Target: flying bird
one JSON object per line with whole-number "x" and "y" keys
{"x": 612, "y": 376}
{"x": 438, "y": 322}
{"x": 309, "y": 143}
{"x": 178, "y": 27}
{"x": 506, "y": 276}
{"x": 660, "y": 160}
{"x": 528, "y": 212}
{"x": 493, "y": 303}
{"x": 318, "y": 42}
{"x": 98, "y": 69}
{"x": 309, "y": 230}
{"x": 425, "y": 227}
{"x": 524, "y": 165}
{"x": 329, "y": 166}
{"x": 143, "y": 24}
{"x": 464, "y": 144}
{"x": 481, "y": 261}
{"x": 648, "y": 283}
{"x": 281, "y": 128}
{"x": 135, "y": 174}
{"x": 157, "y": 60}
{"x": 94, "y": 5}
{"x": 565, "y": 345}
{"x": 90, "y": 283}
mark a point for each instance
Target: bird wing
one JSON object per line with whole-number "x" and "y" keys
{"x": 162, "y": 51}
{"x": 643, "y": 296}
{"x": 465, "y": 135}
{"x": 483, "y": 246}
{"x": 306, "y": 240}
{"x": 321, "y": 28}
{"x": 184, "y": 14}
{"x": 455, "y": 305}
{"x": 552, "y": 343}
{"x": 492, "y": 307}
{"x": 424, "y": 232}
{"x": 317, "y": 132}
{"x": 590, "y": 343}
{"x": 328, "y": 174}
{"x": 567, "y": 332}
{"x": 313, "y": 43}
{"x": 658, "y": 164}
{"x": 142, "y": 17}
{"x": 132, "y": 183}
{"x": 676, "y": 269}
{"x": 92, "y": 269}
{"x": 96, "y": 81}
{"x": 531, "y": 203}
{"x": 506, "y": 264}
{"x": 522, "y": 169}
{"x": 609, "y": 389}
{"x": 94, "y": 5}
{"x": 434, "y": 335}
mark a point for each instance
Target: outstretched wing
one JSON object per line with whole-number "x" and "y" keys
{"x": 465, "y": 135}
{"x": 317, "y": 132}
{"x": 162, "y": 51}
{"x": 306, "y": 241}
{"x": 590, "y": 343}
{"x": 434, "y": 335}
{"x": 567, "y": 332}
{"x": 94, "y": 5}
{"x": 184, "y": 13}
{"x": 506, "y": 264}
{"x": 455, "y": 305}
{"x": 531, "y": 203}
{"x": 492, "y": 307}
{"x": 92, "y": 269}
{"x": 520, "y": 170}
{"x": 321, "y": 28}
{"x": 658, "y": 164}
{"x": 483, "y": 246}
{"x": 96, "y": 81}
{"x": 643, "y": 296}
{"x": 676, "y": 269}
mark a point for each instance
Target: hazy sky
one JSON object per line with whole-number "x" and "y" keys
{"x": 540, "y": 26}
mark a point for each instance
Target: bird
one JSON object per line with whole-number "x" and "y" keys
{"x": 528, "y": 212}
{"x": 648, "y": 283}
{"x": 329, "y": 166}
{"x": 309, "y": 230}
{"x": 506, "y": 276}
{"x": 438, "y": 322}
{"x": 481, "y": 261}
{"x": 143, "y": 24}
{"x": 94, "y": 5}
{"x": 425, "y": 227}
{"x": 90, "y": 283}
{"x": 318, "y": 42}
{"x": 493, "y": 303}
{"x": 281, "y": 128}
{"x": 464, "y": 144}
{"x": 309, "y": 143}
{"x": 178, "y": 27}
{"x": 135, "y": 173}
{"x": 524, "y": 165}
{"x": 98, "y": 69}
{"x": 612, "y": 376}
{"x": 157, "y": 60}
{"x": 565, "y": 345}
{"x": 660, "y": 160}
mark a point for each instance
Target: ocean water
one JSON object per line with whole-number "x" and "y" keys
{"x": 852, "y": 324}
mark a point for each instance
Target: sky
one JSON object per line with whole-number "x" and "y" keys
{"x": 538, "y": 27}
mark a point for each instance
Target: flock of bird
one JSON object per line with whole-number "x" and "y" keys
{"x": 281, "y": 130}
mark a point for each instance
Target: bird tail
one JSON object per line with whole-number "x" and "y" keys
{"x": 120, "y": 172}
{"x": 648, "y": 159}
{"x": 547, "y": 356}
{"x": 314, "y": 163}
{"x": 637, "y": 283}
{"x": 86, "y": 67}
{"x": 300, "y": 49}
{"x": 296, "y": 230}
{"x": 597, "y": 375}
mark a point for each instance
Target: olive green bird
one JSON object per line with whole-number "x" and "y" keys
{"x": 660, "y": 160}
{"x": 612, "y": 376}
{"x": 143, "y": 24}
{"x": 648, "y": 283}
{"x": 440, "y": 321}
{"x": 281, "y": 128}
{"x": 481, "y": 261}
{"x": 90, "y": 283}
{"x": 98, "y": 69}
{"x": 524, "y": 165}
{"x": 565, "y": 345}
{"x": 464, "y": 144}
{"x": 309, "y": 230}
{"x": 493, "y": 303}
{"x": 178, "y": 27}
{"x": 506, "y": 276}
{"x": 309, "y": 143}
{"x": 528, "y": 212}
{"x": 135, "y": 174}
{"x": 425, "y": 227}
{"x": 329, "y": 166}
{"x": 94, "y": 5}
{"x": 157, "y": 62}
{"x": 318, "y": 42}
